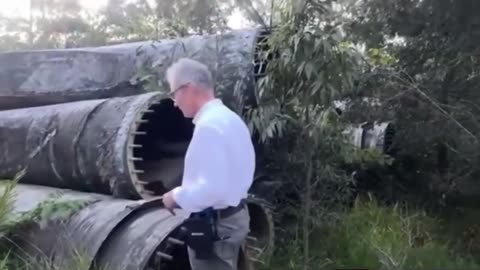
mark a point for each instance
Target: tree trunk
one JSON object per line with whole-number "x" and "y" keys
{"x": 306, "y": 213}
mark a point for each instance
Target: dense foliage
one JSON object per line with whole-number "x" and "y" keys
{"x": 430, "y": 87}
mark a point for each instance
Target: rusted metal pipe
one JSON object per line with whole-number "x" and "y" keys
{"x": 372, "y": 135}
{"x": 43, "y": 77}
{"x": 261, "y": 239}
{"x": 130, "y": 147}
{"x": 105, "y": 232}
{"x": 378, "y": 135}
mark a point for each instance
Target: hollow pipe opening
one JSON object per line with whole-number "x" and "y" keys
{"x": 260, "y": 58}
{"x": 389, "y": 137}
{"x": 172, "y": 254}
{"x": 157, "y": 145}
{"x": 260, "y": 241}
{"x": 259, "y": 225}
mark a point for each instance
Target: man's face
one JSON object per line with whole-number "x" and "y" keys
{"x": 183, "y": 98}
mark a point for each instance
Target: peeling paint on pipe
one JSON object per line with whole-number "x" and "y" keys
{"x": 130, "y": 147}
{"x": 114, "y": 233}
{"x": 43, "y": 77}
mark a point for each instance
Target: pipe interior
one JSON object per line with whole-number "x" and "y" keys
{"x": 260, "y": 59}
{"x": 162, "y": 147}
{"x": 259, "y": 238}
{"x": 180, "y": 259}
{"x": 260, "y": 226}
{"x": 389, "y": 138}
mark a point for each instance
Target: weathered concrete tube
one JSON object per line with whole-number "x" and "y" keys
{"x": 372, "y": 135}
{"x": 101, "y": 231}
{"x": 43, "y": 77}
{"x": 131, "y": 147}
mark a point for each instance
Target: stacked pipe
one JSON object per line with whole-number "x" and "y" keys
{"x": 107, "y": 233}
{"x": 127, "y": 147}
{"x": 369, "y": 134}
{"x": 79, "y": 119}
{"x": 372, "y": 135}
{"x": 111, "y": 233}
{"x": 44, "y": 77}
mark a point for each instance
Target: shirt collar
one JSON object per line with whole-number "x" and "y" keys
{"x": 205, "y": 107}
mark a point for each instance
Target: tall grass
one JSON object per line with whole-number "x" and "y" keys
{"x": 371, "y": 236}
{"x": 7, "y": 199}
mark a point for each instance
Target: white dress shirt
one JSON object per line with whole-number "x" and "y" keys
{"x": 219, "y": 163}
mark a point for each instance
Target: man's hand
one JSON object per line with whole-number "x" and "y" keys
{"x": 169, "y": 202}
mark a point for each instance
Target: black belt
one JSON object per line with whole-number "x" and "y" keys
{"x": 230, "y": 211}
{"x": 224, "y": 212}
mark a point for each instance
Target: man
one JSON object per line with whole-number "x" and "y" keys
{"x": 219, "y": 163}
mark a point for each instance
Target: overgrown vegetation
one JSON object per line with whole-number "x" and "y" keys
{"x": 416, "y": 59}
{"x": 313, "y": 64}
{"x": 374, "y": 237}
{"x": 13, "y": 223}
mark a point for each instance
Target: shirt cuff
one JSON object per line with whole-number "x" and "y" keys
{"x": 177, "y": 194}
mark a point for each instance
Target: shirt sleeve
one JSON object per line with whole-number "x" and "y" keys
{"x": 208, "y": 153}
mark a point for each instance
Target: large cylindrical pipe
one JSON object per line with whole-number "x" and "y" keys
{"x": 372, "y": 135}
{"x": 261, "y": 239}
{"x": 42, "y": 77}
{"x": 131, "y": 147}
{"x": 106, "y": 233}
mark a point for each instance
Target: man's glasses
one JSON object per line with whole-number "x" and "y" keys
{"x": 172, "y": 94}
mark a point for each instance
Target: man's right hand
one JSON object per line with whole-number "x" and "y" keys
{"x": 169, "y": 202}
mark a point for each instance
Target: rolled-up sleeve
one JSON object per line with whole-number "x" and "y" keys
{"x": 207, "y": 155}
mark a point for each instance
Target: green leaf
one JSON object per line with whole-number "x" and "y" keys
{"x": 316, "y": 87}
{"x": 309, "y": 70}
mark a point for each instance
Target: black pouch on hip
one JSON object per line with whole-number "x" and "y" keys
{"x": 201, "y": 236}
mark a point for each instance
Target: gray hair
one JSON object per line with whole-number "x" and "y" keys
{"x": 187, "y": 70}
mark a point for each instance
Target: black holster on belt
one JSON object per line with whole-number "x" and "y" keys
{"x": 202, "y": 233}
